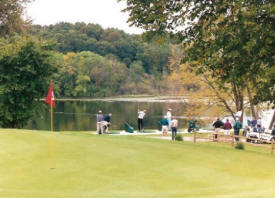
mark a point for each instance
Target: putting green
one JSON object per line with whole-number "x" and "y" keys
{"x": 92, "y": 166}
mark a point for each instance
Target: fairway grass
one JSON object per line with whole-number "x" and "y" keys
{"x": 93, "y": 166}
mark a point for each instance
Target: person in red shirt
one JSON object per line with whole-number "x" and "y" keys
{"x": 227, "y": 126}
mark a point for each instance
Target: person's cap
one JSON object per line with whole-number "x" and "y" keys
{"x": 169, "y": 109}
{"x": 99, "y": 111}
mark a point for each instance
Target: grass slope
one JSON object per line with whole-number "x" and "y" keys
{"x": 89, "y": 166}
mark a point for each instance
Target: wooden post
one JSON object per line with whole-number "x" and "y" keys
{"x": 232, "y": 143}
{"x": 272, "y": 146}
{"x": 195, "y": 135}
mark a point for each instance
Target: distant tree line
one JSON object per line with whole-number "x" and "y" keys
{"x": 83, "y": 60}
{"x": 95, "y": 62}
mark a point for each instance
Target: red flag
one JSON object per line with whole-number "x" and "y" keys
{"x": 50, "y": 96}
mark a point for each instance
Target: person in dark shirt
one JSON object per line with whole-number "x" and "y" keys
{"x": 237, "y": 126}
{"x": 217, "y": 126}
{"x": 106, "y": 122}
{"x": 164, "y": 124}
{"x": 107, "y": 117}
{"x": 254, "y": 123}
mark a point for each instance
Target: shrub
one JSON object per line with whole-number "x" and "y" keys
{"x": 179, "y": 137}
{"x": 239, "y": 146}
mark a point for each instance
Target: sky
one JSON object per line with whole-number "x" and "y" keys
{"x": 106, "y": 13}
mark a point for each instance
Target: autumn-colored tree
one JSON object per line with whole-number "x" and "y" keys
{"x": 231, "y": 41}
{"x": 201, "y": 90}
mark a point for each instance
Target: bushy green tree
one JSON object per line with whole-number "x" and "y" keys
{"x": 127, "y": 48}
{"x": 25, "y": 71}
{"x": 233, "y": 40}
{"x": 87, "y": 74}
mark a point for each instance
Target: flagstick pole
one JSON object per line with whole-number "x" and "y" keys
{"x": 52, "y": 139}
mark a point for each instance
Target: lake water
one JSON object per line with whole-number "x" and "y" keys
{"x": 81, "y": 115}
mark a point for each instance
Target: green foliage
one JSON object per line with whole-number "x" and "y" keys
{"x": 137, "y": 72}
{"x": 90, "y": 75}
{"x": 231, "y": 40}
{"x": 239, "y": 146}
{"x": 265, "y": 87}
{"x": 179, "y": 137}
{"x": 10, "y": 16}
{"x": 89, "y": 37}
{"x": 103, "y": 62}
{"x": 25, "y": 70}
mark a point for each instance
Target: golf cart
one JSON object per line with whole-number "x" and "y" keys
{"x": 267, "y": 137}
{"x": 259, "y": 137}
{"x": 253, "y": 136}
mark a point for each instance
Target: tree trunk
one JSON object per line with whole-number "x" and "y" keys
{"x": 252, "y": 108}
{"x": 238, "y": 98}
{"x": 222, "y": 100}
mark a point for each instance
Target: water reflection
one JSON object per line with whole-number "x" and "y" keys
{"x": 80, "y": 116}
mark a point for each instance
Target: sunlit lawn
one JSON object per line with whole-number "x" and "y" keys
{"x": 92, "y": 166}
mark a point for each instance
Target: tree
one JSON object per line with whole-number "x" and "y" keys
{"x": 89, "y": 74}
{"x": 79, "y": 37}
{"x": 25, "y": 71}
{"x": 232, "y": 40}
{"x": 11, "y": 12}
{"x": 137, "y": 72}
{"x": 202, "y": 92}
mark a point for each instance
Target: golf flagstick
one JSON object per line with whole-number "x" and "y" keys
{"x": 52, "y": 141}
{"x": 51, "y": 101}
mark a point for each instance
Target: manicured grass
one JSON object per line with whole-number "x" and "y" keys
{"x": 92, "y": 166}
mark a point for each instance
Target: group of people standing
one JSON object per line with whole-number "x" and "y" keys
{"x": 102, "y": 122}
{"x": 167, "y": 123}
{"x": 218, "y": 125}
{"x": 257, "y": 125}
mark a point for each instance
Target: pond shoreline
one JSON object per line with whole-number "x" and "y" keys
{"x": 159, "y": 99}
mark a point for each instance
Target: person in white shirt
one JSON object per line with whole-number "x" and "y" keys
{"x": 141, "y": 115}
{"x": 169, "y": 118}
{"x": 99, "y": 119}
{"x": 174, "y": 127}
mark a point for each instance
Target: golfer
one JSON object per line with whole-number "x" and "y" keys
{"x": 169, "y": 118}
{"x": 174, "y": 127}
{"x": 141, "y": 115}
